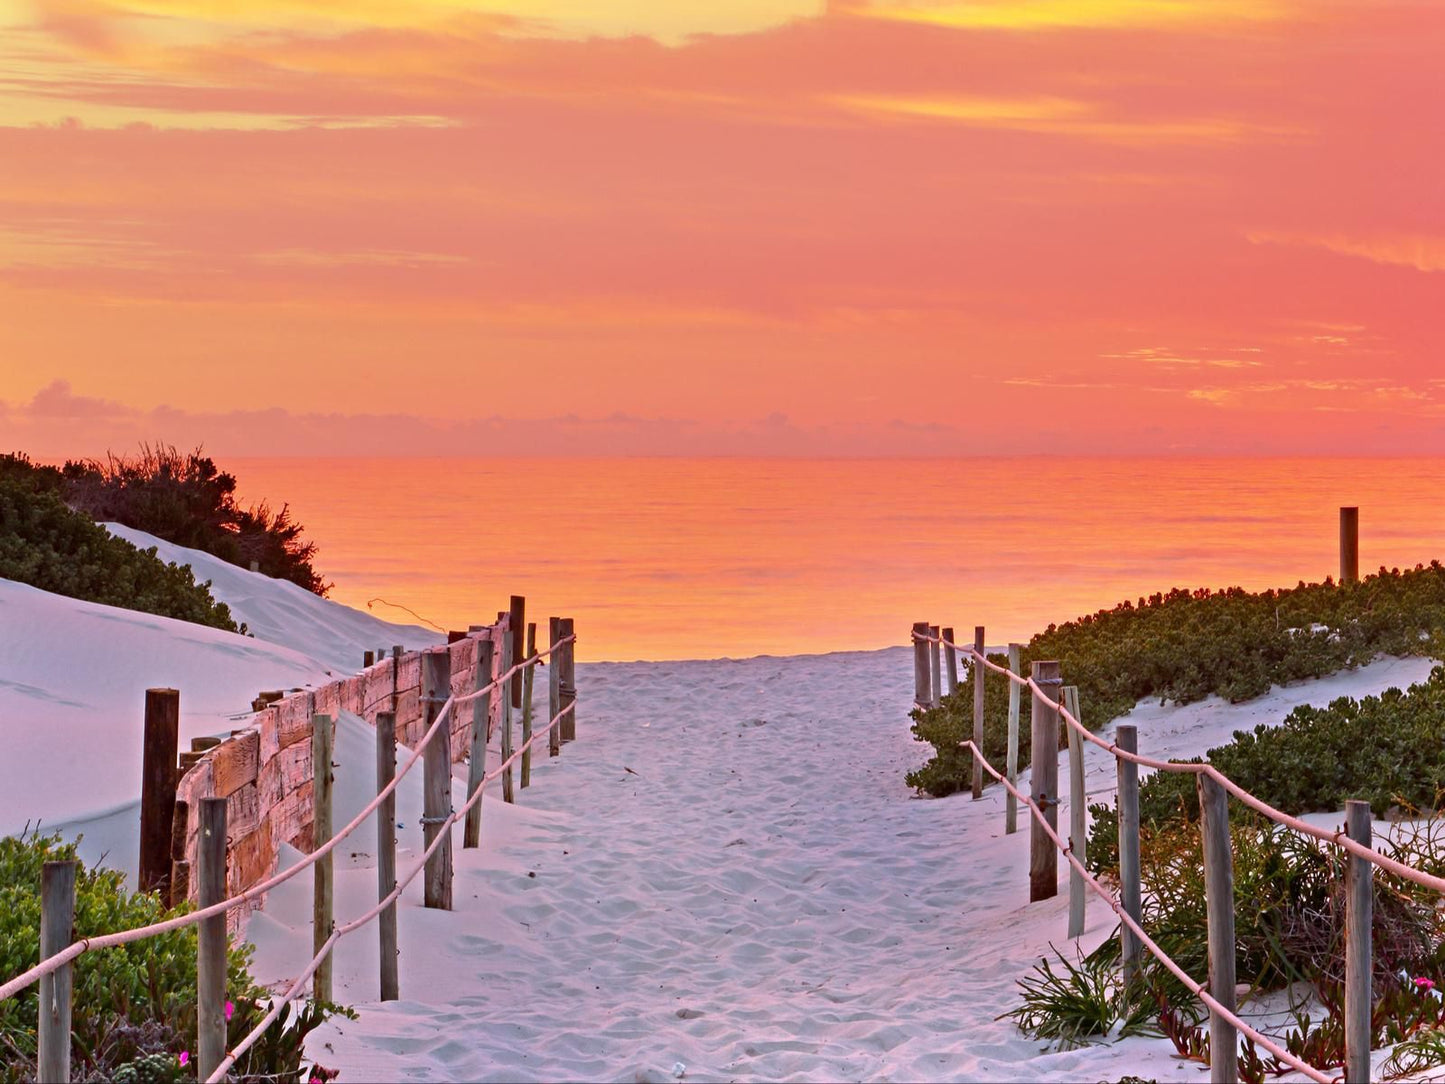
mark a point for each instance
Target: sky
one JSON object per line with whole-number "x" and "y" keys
{"x": 863, "y": 227}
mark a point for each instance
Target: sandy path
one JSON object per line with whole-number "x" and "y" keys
{"x": 761, "y": 900}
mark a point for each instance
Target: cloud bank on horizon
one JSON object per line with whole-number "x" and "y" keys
{"x": 766, "y": 226}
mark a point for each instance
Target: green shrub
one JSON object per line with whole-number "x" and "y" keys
{"x": 135, "y": 1004}
{"x": 1186, "y": 645}
{"x": 47, "y": 545}
{"x": 182, "y": 498}
{"x": 1082, "y": 1002}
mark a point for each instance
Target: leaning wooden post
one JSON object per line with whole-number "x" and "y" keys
{"x": 211, "y": 938}
{"x": 1011, "y": 764}
{"x": 504, "y": 720}
{"x": 1359, "y": 956}
{"x": 1349, "y": 545}
{"x": 922, "y": 694}
{"x": 1044, "y": 781}
{"x": 477, "y": 762}
{"x": 554, "y": 687}
{"x": 57, "y": 924}
{"x": 386, "y": 852}
{"x": 1126, "y": 737}
{"x": 158, "y": 786}
{"x": 524, "y": 777}
{"x": 935, "y": 667}
{"x": 1219, "y": 901}
{"x": 567, "y": 681}
{"x": 324, "y": 870}
{"x": 950, "y": 661}
{"x": 1078, "y": 837}
{"x": 436, "y": 682}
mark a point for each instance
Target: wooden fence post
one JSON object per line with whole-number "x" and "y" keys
{"x": 211, "y": 938}
{"x": 477, "y": 763}
{"x": 922, "y": 694}
{"x": 1126, "y": 737}
{"x": 935, "y": 668}
{"x": 1078, "y": 836}
{"x": 368, "y": 659}
{"x": 324, "y": 871}
{"x": 1044, "y": 781}
{"x": 1219, "y": 901}
{"x": 567, "y": 681}
{"x": 504, "y": 720}
{"x": 519, "y": 619}
{"x": 386, "y": 852}
{"x": 1349, "y": 545}
{"x": 158, "y": 787}
{"x": 979, "y": 670}
{"x": 950, "y": 661}
{"x": 396, "y": 653}
{"x": 1011, "y": 764}
{"x": 1359, "y": 954}
{"x": 554, "y": 688}
{"x": 57, "y": 924}
{"x": 524, "y": 778}
{"x": 436, "y": 680}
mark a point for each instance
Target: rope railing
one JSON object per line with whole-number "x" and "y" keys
{"x": 139, "y": 933}
{"x": 1195, "y": 988}
{"x": 1050, "y": 697}
{"x": 337, "y": 933}
{"x": 1259, "y": 805}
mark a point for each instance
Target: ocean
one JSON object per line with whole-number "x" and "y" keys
{"x": 706, "y": 558}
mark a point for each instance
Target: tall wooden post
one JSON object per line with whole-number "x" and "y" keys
{"x": 158, "y": 787}
{"x": 1044, "y": 781}
{"x": 1126, "y": 737}
{"x": 1219, "y": 901}
{"x": 950, "y": 662}
{"x": 1011, "y": 764}
{"x": 477, "y": 762}
{"x": 554, "y": 688}
{"x": 436, "y": 680}
{"x": 935, "y": 668}
{"x": 519, "y": 630}
{"x": 979, "y": 670}
{"x": 396, "y": 653}
{"x": 567, "y": 681}
{"x": 504, "y": 720}
{"x": 922, "y": 691}
{"x": 524, "y": 777}
{"x": 386, "y": 852}
{"x": 1349, "y": 545}
{"x": 1078, "y": 836}
{"x": 57, "y": 924}
{"x": 1359, "y": 951}
{"x": 211, "y": 938}
{"x": 324, "y": 870}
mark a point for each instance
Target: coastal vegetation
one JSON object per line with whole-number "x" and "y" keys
{"x": 181, "y": 497}
{"x": 135, "y": 1017}
{"x": 1184, "y": 645}
{"x": 46, "y": 544}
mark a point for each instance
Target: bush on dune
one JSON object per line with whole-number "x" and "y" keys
{"x": 182, "y": 498}
{"x": 47, "y": 545}
{"x": 1186, "y": 645}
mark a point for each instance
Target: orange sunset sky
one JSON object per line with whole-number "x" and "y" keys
{"x": 755, "y": 226}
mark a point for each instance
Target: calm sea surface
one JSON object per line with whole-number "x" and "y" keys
{"x": 698, "y": 558}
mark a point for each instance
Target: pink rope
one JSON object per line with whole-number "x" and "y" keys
{"x": 1338, "y": 838}
{"x": 361, "y": 920}
{"x": 139, "y": 933}
{"x": 1183, "y": 976}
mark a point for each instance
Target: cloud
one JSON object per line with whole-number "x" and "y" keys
{"x": 1422, "y": 252}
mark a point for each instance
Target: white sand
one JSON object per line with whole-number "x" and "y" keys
{"x": 73, "y": 677}
{"x": 762, "y": 900}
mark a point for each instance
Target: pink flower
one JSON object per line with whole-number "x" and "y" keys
{"x": 230, "y": 1009}
{"x": 185, "y": 1058}
{"x": 1424, "y": 983}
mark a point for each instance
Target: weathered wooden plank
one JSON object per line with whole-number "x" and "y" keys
{"x": 253, "y": 858}
{"x": 234, "y": 764}
{"x": 243, "y": 810}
